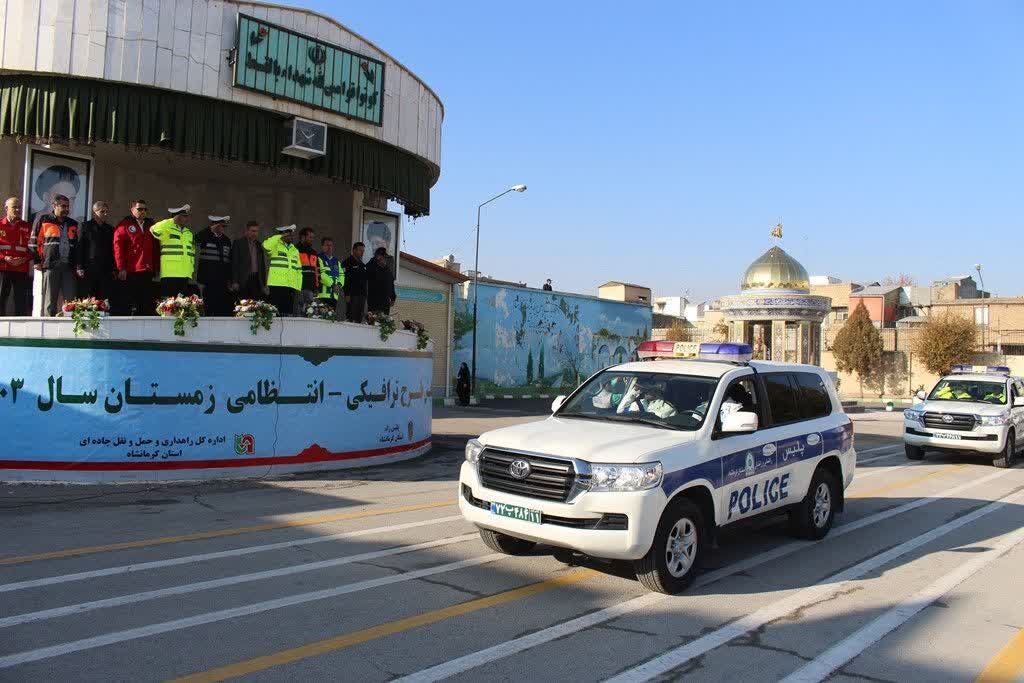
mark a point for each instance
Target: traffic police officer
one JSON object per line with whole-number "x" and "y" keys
{"x": 177, "y": 251}
{"x": 213, "y": 270}
{"x": 284, "y": 274}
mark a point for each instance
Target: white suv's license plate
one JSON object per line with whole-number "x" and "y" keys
{"x": 516, "y": 512}
{"x": 951, "y": 437}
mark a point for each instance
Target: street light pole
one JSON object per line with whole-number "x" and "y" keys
{"x": 476, "y": 276}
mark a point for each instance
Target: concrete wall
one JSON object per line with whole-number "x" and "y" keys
{"x": 536, "y": 342}
{"x": 182, "y": 45}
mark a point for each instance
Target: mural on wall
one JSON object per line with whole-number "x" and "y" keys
{"x": 531, "y": 341}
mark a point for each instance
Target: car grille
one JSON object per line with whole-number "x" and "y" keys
{"x": 549, "y": 478}
{"x": 960, "y": 423}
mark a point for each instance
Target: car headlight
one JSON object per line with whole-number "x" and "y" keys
{"x": 995, "y": 420}
{"x": 914, "y": 415}
{"x": 473, "y": 450}
{"x": 625, "y": 477}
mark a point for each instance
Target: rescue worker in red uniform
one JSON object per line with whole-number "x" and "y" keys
{"x": 15, "y": 261}
{"x": 134, "y": 263}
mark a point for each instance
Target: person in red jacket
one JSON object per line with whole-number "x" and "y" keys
{"x": 134, "y": 262}
{"x": 15, "y": 260}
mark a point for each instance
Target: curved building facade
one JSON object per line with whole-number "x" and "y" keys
{"x": 202, "y": 101}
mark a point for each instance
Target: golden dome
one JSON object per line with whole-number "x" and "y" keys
{"x": 776, "y": 269}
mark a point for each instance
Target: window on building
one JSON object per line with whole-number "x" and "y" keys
{"x": 981, "y": 315}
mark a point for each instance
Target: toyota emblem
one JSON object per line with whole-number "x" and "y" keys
{"x": 519, "y": 469}
{"x": 948, "y": 419}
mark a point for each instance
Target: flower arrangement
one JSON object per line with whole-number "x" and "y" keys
{"x": 385, "y": 322}
{"x": 321, "y": 310}
{"x": 184, "y": 309}
{"x": 422, "y": 338}
{"x": 259, "y": 313}
{"x": 86, "y": 312}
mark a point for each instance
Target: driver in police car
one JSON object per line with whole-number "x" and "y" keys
{"x": 649, "y": 398}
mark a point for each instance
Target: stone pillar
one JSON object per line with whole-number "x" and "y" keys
{"x": 779, "y": 340}
{"x": 737, "y": 331}
{"x": 803, "y": 342}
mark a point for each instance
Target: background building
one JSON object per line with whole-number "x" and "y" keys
{"x": 425, "y": 294}
{"x": 882, "y": 303}
{"x": 623, "y": 291}
{"x": 196, "y": 101}
{"x": 776, "y": 313}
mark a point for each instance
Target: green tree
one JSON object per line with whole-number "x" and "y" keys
{"x": 463, "y": 324}
{"x": 945, "y": 341}
{"x": 676, "y": 333}
{"x": 529, "y": 368}
{"x": 540, "y": 364}
{"x": 858, "y": 347}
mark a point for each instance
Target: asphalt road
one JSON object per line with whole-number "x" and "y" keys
{"x": 372, "y": 576}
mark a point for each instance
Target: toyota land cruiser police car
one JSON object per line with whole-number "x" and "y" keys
{"x": 976, "y": 409}
{"x": 644, "y": 461}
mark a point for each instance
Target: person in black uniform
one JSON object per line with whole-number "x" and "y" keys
{"x": 213, "y": 250}
{"x": 355, "y": 284}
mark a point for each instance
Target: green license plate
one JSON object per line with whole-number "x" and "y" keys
{"x": 516, "y": 512}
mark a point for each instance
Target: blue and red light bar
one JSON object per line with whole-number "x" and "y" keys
{"x": 965, "y": 369}
{"x": 737, "y": 353}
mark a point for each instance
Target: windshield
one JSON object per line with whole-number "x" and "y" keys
{"x": 969, "y": 390}
{"x": 656, "y": 399}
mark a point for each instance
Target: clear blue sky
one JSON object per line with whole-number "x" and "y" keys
{"x": 661, "y": 141}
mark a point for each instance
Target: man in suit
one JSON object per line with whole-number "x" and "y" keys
{"x": 249, "y": 264}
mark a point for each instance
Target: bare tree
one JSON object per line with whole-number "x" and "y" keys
{"x": 899, "y": 280}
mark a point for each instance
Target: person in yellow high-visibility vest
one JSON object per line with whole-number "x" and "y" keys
{"x": 177, "y": 251}
{"x": 284, "y": 274}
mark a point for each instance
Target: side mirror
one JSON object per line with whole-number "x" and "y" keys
{"x": 740, "y": 422}
{"x": 921, "y": 395}
{"x": 1018, "y": 402}
{"x": 557, "y": 403}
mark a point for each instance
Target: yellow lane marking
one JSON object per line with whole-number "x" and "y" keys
{"x": 218, "y": 533}
{"x": 1008, "y": 665}
{"x": 908, "y": 482}
{"x": 341, "y": 642}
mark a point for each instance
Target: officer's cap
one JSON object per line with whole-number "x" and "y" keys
{"x": 184, "y": 209}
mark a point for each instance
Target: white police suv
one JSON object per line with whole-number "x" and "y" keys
{"x": 645, "y": 460}
{"x": 977, "y": 409}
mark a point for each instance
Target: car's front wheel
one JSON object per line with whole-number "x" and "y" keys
{"x": 913, "y": 452}
{"x": 1008, "y": 457}
{"x": 678, "y": 550}
{"x": 503, "y": 543}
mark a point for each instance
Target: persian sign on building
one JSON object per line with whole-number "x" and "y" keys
{"x": 284, "y": 64}
{"x": 113, "y": 409}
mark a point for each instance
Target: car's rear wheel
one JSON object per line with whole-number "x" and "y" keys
{"x": 503, "y": 543}
{"x": 678, "y": 550}
{"x": 813, "y": 518}
{"x": 1008, "y": 458}
{"x": 913, "y": 452}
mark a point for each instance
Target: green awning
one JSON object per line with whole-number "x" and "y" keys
{"x": 57, "y": 109}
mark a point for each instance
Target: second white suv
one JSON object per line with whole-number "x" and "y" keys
{"x": 977, "y": 409}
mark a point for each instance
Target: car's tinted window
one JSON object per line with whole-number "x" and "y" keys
{"x": 814, "y": 399}
{"x": 782, "y": 397}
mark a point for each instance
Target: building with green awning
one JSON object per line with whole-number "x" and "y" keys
{"x": 247, "y": 109}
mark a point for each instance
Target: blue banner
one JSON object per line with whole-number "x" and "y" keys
{"x": 127, "y": 407}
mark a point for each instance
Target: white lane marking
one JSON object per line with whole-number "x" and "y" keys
{"x": 878, "y": 448}
{"x": 132, "y": 598}
{"x": 879, "y": 457}
{"x": 523, "y": 643}
{"x": 838, "y": 655}
{"x": 823, "y": 589}
{"x": 245, "y": 610}
{"x": 189, "y": 559}
{"x": 880, "y": 470}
